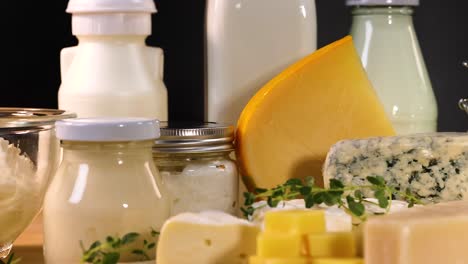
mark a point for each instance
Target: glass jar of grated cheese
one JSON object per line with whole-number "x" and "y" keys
{"x": 195, "y": 165}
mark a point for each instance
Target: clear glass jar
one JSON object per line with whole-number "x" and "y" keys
{"x": 387, "y": 43}
{"x": 107, "y": 185}
{"x": 196, "y": 166}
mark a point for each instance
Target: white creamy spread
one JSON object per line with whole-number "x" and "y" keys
{"x": 19, "y": 192}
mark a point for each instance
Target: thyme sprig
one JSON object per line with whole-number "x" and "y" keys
{"x": 11, "y": 260}
{"x": 349, "y": 197}
{"x": 109, "y": 251}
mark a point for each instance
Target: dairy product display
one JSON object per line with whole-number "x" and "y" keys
{"x": 288, "y": 127}
{"x": 388, "y": 45}
{"x": 428, "y": 235}
{"x": 248, "y": 42}
{"x": 432, "y": 166}
{"x": 20, "y": 193}
{"x": 299, "y": 236}
{"x": 112, "y": 73}
{"x": 206, "y": 238}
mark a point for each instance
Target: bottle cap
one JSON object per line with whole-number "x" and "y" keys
{"x": 111, "y": 6}
{"x": 382, "y": 2}
{"x": 108, "y": 129}
{"x": 111, "y": 17}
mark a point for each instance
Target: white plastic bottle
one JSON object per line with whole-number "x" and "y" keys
{"x": 248, "y": 43}
{"x": 385, "y": 38}
{"x": 112, "y": 72}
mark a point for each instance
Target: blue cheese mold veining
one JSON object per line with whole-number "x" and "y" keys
{"x": 432, "y": 166}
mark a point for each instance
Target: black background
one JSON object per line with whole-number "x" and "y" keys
{"x": 34, "y": 32}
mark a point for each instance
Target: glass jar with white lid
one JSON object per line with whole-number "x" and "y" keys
{"x": 196, "y": 165}
{"x": 106, "y": 185}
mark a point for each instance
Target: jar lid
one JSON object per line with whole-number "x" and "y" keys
{"x": 108, "y": 129}
{"x": 194, "y": 138}
{"x": 382, "y": 2}
{"x": 30, "y": 117}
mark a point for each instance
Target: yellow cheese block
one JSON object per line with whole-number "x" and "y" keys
{"x": 260, "y": 260}
{"x": 295, "y": 222}
{"x": 288, "y": 127}
{"x": 280, "y": 245}
{"x": 332, "y": 245}
{"x": 338, "y": 261}
{"x": 433, "y": 234}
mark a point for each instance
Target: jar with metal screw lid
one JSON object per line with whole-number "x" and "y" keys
{"x": 195, "y": 165}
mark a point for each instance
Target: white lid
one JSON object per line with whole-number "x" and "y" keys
{"x": 108, "y": 129}
{"x": 382, "y": 2}
{"x": 111, "y": 6}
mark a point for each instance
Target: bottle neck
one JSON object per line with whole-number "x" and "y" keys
{"x": 115, "y": 39}
{"x": 95, "y": 151}
{"x": 111, "y": 24}
{"x": 390, "y": 15}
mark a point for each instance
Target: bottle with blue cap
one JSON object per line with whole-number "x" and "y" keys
{"x": 112, "y": 73}
{"x": 386, "y": 40}
{"x": 106, "y": 185}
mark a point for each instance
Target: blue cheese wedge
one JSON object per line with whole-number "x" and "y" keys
{"x": 432, "y": 166}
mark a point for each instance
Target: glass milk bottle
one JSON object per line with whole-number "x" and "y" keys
{"x": 112, "y": 73}
{"x": 386, "y": 40}
{"x": 107, "y": 185}
{"x": 248, "y": 43}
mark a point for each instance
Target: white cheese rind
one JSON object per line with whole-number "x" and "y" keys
{"x": 206, "y": 238}
{"x": 432, "y": 166}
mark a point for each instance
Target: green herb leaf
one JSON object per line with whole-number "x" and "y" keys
{"x": 152, "y": 245}
{"x": 249, "y": 198}
{"x": 305, "y": 190}
{"x": 154, "y": 233}
{"x": 309, "y": 201}
{"x": 111, "y": 258}
{"x": 260, "y": 190}
{"x": 318, "y": 198}
{"x": 129, "y": 238}
{"x": 272, "y": 202}
{"x": 358, "y": 195}
{"x": 377, "y": 181}
{"x": 310, "y": 181}
{"x": 336, "y": 184}
{"x": 382, "y": 198}
{"x": 357, "y": 209}
{"x": 292, "y": 182}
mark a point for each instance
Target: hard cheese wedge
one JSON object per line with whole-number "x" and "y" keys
{"x": 432, "y": 234}
{"x": 288, "y": 127}
{"x": 206, "y": 238}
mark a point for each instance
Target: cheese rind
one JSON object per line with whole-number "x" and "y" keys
{"x": 432, "y": 166}
{"x": 432, "y": 234}
{"x": 288, "y": 127}
{"x": 206, "y": 238}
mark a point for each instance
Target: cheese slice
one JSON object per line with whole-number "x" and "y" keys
{"x": 206, "y": 238}
{"x": 288, "y": 127}
{"x": 433, "y": 234}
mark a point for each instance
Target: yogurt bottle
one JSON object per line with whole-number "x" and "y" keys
{"x": 112, "y": 73}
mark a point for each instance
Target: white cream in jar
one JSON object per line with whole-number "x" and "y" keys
{"x": 195, "y": 164}
{"x": 106, "y": 185}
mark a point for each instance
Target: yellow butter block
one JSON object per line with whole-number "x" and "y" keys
{"x": 331, "y": 245}
{"x": 260, "y": 260}
{"x": 272, "y": 245}
{"x": 295, "y": 222}
{"x": 337, "y": 261}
